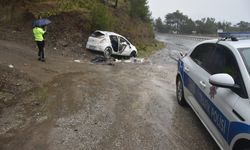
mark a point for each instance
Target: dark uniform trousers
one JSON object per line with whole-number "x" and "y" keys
{"x": 40, "y": 45}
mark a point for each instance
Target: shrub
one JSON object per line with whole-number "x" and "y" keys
{"x": 101, "y": 18}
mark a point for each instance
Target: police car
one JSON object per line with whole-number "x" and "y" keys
{"x": 214, "y": 80}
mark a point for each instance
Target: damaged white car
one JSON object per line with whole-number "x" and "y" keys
{"x": 111, "y": 43}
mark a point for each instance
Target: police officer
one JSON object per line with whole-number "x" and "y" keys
{"x": 39, "y": 38}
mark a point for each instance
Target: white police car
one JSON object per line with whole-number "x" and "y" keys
{"x": 214, "y": 79}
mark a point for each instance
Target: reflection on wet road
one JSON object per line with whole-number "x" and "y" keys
{"x": 175, "y": 45}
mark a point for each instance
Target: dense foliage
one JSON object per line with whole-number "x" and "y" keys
{"x": 101, "y": 18}
{"x": 177, "y": 22}
{"x": 140, "y": 9}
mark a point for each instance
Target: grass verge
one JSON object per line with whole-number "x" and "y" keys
{"x": 146, "y": 50}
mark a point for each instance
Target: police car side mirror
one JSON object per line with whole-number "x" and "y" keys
{"x": 181, "y": 54}
{"x": 222, "y": 80}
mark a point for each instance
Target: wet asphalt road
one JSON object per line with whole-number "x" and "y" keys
{"x": 169, "y": 55}
{"x": 175, "y": 45}
{"x": 85, "y": 106}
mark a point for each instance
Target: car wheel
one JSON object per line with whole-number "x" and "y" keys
{"x": 180, "y": 92}
{"x": 242, "y": 145}
{"x": 133, "y": 54}
{"x": 107, "y": 52}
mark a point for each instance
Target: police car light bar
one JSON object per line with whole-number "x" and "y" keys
{"x": 234, "y": 34}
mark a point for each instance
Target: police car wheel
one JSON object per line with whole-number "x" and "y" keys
{"x": 180, "y": 93}
{"x": 242, "y": 145}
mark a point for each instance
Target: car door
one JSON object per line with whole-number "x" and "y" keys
{"x": 124, "y": 47}
{"x": 114, "y": 40}
{"x": 194, "y": 70}
{"x": 198, "y": 69}
{"x": 223, "y": 100}
{"x": 217, "y": 102}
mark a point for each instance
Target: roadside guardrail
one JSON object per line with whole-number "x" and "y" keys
{"x": 192, "y": 37}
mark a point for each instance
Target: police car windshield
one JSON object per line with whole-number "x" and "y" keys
{"x": 245, "y": 54}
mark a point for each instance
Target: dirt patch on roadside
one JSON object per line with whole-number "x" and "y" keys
{"x": 13, "y": 84}
{"x": 67, "y": 34}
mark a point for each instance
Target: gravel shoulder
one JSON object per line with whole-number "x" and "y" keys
{"x": 62, "y": 104}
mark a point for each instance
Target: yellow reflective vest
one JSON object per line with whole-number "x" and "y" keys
{"x": 38, "y": 33}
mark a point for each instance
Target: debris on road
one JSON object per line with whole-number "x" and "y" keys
{"x": 101, "y": 59}
{"x": 118, "y": 60}
{"x": 98, "y": 60}
{"x": 77, "y": 61}
{"x": 11, "y": 66}
{"x": 137, "y": 60}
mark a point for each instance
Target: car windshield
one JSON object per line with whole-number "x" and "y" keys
{"x": 245, "y": 54}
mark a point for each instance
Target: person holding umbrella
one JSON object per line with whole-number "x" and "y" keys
{"x": 39, "y": 30}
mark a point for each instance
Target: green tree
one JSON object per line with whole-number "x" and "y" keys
{"x": 243, "y": 26}
{"x": 101, "y": 18}
{"x": 159, "y": 26}
{"x": 179, "y": 23}
{"x": 140, "y": 9}
{"x": 225, "y": 26}
{"x": 206, "y": 26}
{"x": 188, "y": 26}
{"x": 174, "y": 20}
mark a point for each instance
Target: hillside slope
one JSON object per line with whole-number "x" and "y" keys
{"x": 72, "y": 23}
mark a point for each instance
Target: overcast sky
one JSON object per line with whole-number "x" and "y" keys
{"x": 222, "y": 10}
